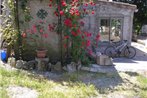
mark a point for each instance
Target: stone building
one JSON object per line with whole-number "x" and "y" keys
{"x": 112, "y": 20}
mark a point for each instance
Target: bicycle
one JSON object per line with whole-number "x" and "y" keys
{"x": 117, "y": 49}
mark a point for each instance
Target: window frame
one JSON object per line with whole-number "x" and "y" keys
{"x": 110, "y": 19}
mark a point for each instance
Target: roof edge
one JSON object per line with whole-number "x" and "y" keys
{"x": 119, "y": 4}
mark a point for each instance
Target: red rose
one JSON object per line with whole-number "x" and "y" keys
{"x": 24, "y": 35}
{"x": 61, "y": 13}
{"x": 50, "y": 5}
{"x": 63, "y": 3}
{"x": 93, "y": 12}
{"x": 68, "y": 22}
{"x": 66, "y": 37}
{"x": 88, "y": 43}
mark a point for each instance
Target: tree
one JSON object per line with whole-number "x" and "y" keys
{"x": 140, "y": 17}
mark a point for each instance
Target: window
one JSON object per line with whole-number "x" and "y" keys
{"x": 110, "y": 29}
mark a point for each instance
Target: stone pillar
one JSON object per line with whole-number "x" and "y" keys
{"x": 127, "y": 28}
{"x": 131, "y": 26}
{"x": 41, "y": 66}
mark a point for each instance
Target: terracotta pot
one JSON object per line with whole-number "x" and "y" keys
{"x": 41, "y": 53}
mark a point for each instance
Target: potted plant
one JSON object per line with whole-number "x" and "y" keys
{"x": 40, "y": 37}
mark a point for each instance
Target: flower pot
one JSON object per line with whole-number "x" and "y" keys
{"x": 41, "y": 53}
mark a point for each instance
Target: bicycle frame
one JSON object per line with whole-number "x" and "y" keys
{"x": 120, "y": 47}
{"x": 120, "y": 50}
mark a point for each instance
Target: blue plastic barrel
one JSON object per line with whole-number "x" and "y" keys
{"x": 3, "y": 55}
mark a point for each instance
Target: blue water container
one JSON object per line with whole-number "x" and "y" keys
{"x": 3, "y": 55}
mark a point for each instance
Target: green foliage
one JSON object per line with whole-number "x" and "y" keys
{"x": 69, "y": 14}
{"x": 140, "y": 17}
{"x": 23, "y": 4}
{"x": 28, "y": 52}
{"x": 8, "y": 23}
{"x": 10, "y": 35}
{"x": 3, "y": 93}
{"x": 143, "y": 86}
{"x": 46, "y": 88}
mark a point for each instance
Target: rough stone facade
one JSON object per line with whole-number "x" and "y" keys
{"x": 107, "y": 9}
{"x": 103, "y": 9}
{"x": 52, "y": 41}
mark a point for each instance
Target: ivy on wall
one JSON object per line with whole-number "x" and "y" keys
{"x": 11, "y": 33}
{"x": 8, "y": 22}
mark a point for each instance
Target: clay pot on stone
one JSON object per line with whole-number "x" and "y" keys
{"x": 41, "y": 53}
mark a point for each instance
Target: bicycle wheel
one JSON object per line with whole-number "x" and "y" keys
{"x": 110, "y": 51}
{"x": 130, "y": 52}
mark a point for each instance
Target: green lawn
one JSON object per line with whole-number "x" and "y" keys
{"x": 46, "y": 88}
{"x": 143, "y": 86}
{"x": 69, "y": 86}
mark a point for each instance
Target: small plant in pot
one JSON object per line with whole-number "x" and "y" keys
{"x": 38, "y": 31}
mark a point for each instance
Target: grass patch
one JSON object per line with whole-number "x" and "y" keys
{"x": 143, "y": 86}
{"x": 3, "y": 93}
{"x": 70, "y": 86}
{"x": 46, "y": 88}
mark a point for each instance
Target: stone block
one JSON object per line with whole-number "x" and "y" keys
{"x": 93, "y": 69}
{"x": 19, "y": 64}
{"x": 104, "y": 60}
{"x": 101, "y": 59}
{"x": 42, "y": 63}
{"x": 71, "y": 67}
{"x": 57, "y": 66}
{"x": 12, "y": 61}
{"x": 108, "y": 61}
{"x": 29, "y": 65}
{"x": 85, "y": 68}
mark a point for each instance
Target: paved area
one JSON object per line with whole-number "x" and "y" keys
{"x": 138, "y": 63}
{"x": 142, "y": 40}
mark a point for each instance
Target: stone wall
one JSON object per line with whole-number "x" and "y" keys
{"x": 52, "y": 41}
{"x": 102, "y": 9}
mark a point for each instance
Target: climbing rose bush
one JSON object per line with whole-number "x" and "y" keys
{"x": 72, "y": 13}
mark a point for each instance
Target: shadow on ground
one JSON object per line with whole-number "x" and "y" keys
{"x": 141, "y": 56}
{"x": 104, "y": 82}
